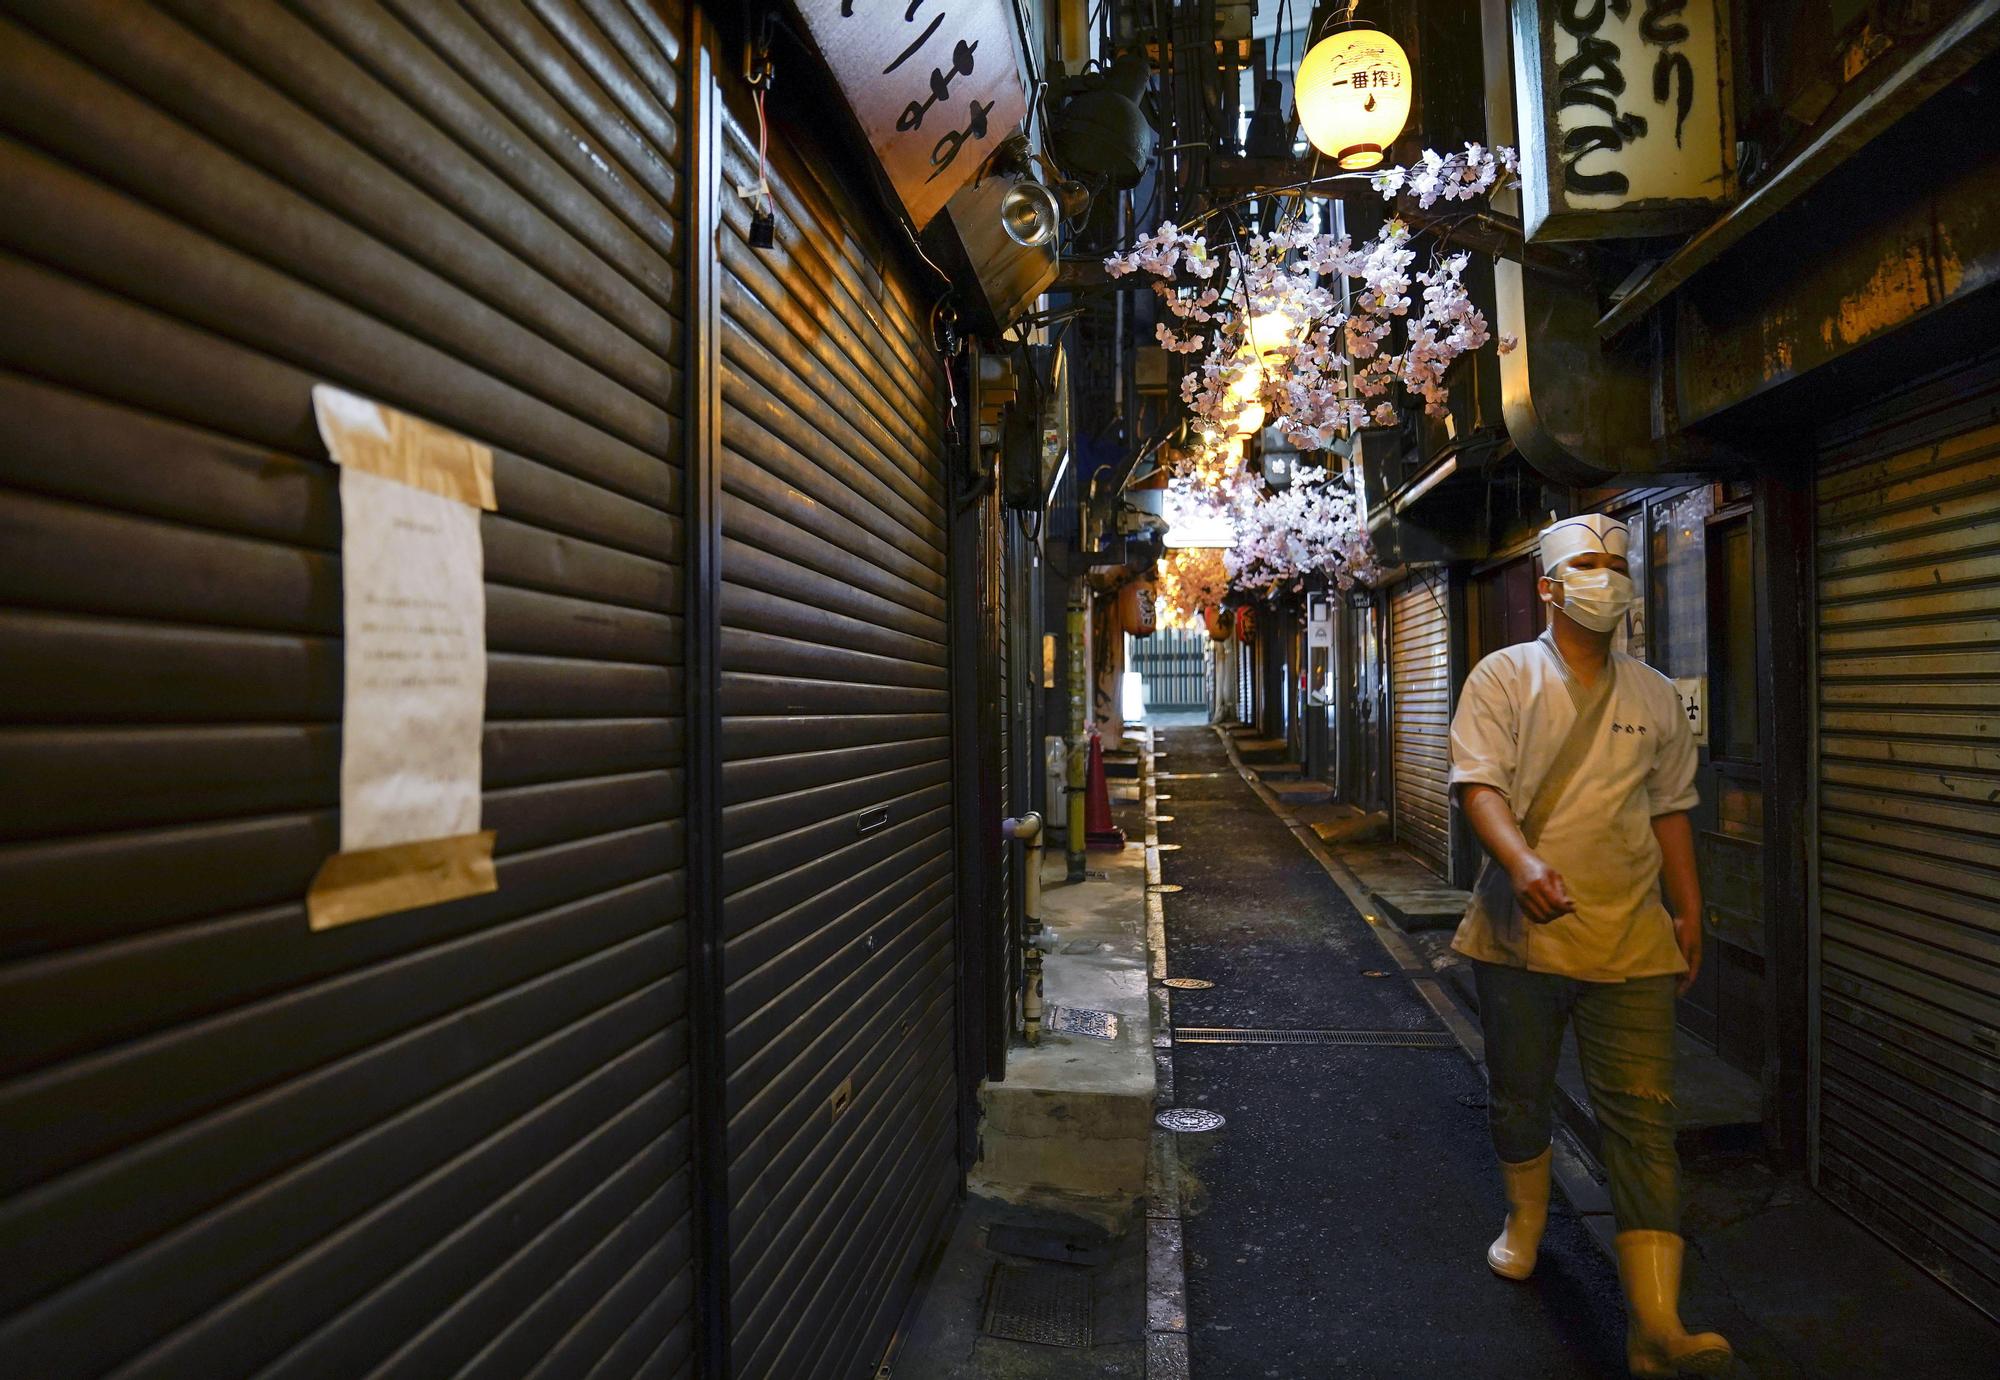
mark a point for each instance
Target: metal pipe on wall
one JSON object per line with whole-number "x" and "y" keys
{"x": 1079, "y": 733}
{"x": 1027, "y": 830}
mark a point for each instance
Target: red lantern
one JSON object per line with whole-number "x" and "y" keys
{"x": 1219, "y": 622}
{"x": 1136, "y": 608}
{"x": 1246, "y": 623}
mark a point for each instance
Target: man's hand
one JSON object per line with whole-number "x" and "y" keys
{"x": 1540, "y": 890}
{"x": 1687, "y": 934}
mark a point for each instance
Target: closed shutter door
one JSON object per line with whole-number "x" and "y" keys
{"x": 447, "y": 1137}
{"x": 1908, "y": 1127}
{"x": 837, "y": 785}
{"x": 1420, "y": 718}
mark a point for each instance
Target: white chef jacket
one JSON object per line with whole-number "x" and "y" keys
{"x": 1512, "y": 718}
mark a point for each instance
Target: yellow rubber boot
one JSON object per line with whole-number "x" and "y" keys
{"x": 1512, "y": 1254}
{"x": 1649, "y": 1266}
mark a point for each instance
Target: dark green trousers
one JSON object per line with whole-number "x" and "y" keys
{"x": 1625, "y": 1038}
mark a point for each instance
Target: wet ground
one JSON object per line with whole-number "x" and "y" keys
{"x": 1343, "y": 1211}
{"x": 1336, "y": 1225}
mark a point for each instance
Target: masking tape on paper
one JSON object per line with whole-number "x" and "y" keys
{"x": 365, "y": 435}
{"x": 403, "y": 876}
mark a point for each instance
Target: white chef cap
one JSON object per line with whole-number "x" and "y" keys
{"x": 1564, "y": 541}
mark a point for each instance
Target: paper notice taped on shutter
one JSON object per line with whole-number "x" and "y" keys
{"x": 414, "y": 607}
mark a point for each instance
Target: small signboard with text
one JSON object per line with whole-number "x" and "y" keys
{"x": 936, "y": 85}
{"x": 1624, "y": 114}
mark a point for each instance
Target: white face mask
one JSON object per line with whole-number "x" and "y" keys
{"x": 1596, "y": 598}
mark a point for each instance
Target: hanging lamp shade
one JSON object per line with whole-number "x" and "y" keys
{"x": 1269, "y": 332}
{"x": 1353, "y": 95}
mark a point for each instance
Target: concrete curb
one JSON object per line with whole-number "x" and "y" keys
{"x": 1166, "y": 1256}
{"x": 1571, "y": 1170}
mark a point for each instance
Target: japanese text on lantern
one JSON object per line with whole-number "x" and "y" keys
{"x": 935, "y": 84}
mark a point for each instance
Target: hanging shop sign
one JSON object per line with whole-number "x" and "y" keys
{"x": 936, "y": 86}
{"x": 1624, "y": 114}
{"x": 1138, "y": 608}
{"x": 414, "y": 641}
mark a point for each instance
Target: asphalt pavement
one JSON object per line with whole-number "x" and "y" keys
{"x": 1337, "y": 1222}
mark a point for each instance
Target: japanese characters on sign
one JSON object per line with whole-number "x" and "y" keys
{"x": 936, "y": 85}
{"x": 1624, "y": 115}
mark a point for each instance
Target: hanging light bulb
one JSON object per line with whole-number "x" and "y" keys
{"x": 1354, "y": 95}
{"x": 1269, "y": 332}
{"x": 1248, "y": 422}
{"x": 1247, "y": 385}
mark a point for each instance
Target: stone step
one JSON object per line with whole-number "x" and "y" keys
{"x": 1291, "y": 793}
{"x": 1352, "y": 826}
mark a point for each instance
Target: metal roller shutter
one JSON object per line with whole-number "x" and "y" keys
{"x": 1420, "y": 718}
{"x": 1908, "y": 966}
{"x": 451, "y": 1137}
{"x": 836, "y": 773}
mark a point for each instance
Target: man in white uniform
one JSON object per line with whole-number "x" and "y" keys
{"x": 1575, "y": 766}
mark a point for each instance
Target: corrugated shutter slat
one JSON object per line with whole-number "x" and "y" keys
{"x": 1419, "y": 716}
{"x": 1908, "y": 546}
{"x": 836, "y": 775}
{"x": 451, "y": 1137}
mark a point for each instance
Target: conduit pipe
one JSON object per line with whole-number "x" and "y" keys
{"x": 1027, "y": 830}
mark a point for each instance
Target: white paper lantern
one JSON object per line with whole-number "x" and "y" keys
{"x": 1353, "y": 95}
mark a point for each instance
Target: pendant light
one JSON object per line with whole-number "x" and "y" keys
{"x": 1353, "y": 94}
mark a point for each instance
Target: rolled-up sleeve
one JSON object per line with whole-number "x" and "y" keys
{"x": 1485, "y": 737}
{"x": 1671, "y": 784}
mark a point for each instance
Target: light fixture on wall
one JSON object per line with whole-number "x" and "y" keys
{"x": 1029, "y": 213}
{"x": 1102, "y": 130}
{"x": 1353, "y": 94}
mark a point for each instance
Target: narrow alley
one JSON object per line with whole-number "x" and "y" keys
{"x": 999, "y": 689}
{"x": 1349, "y": 1193}
{"x": 1335, "y": 1223}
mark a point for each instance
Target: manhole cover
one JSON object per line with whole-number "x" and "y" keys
{"x": 1190, "y": 984}
{"x": 1189, "y": 1119}
{"x": 1472, "y": 1100}
{"x": 1045, "y": 1304}
{"x": 1163, "y": 888}
{"x": 1168, "y": 847}
{"x": 1163, "y": 819}
{"x": 1076, "y": 1020}
{"x": 1163, "y": 797}
{"x": 1373, "y": 972}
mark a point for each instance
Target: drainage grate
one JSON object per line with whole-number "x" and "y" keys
{"x": 1411, "y": 1039}
{"x": 1076, "y": 1020}
{"x": 1189, "y": 984}
{"x": 1091, "y": 874}
{"x": 1045, "y": 1304}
